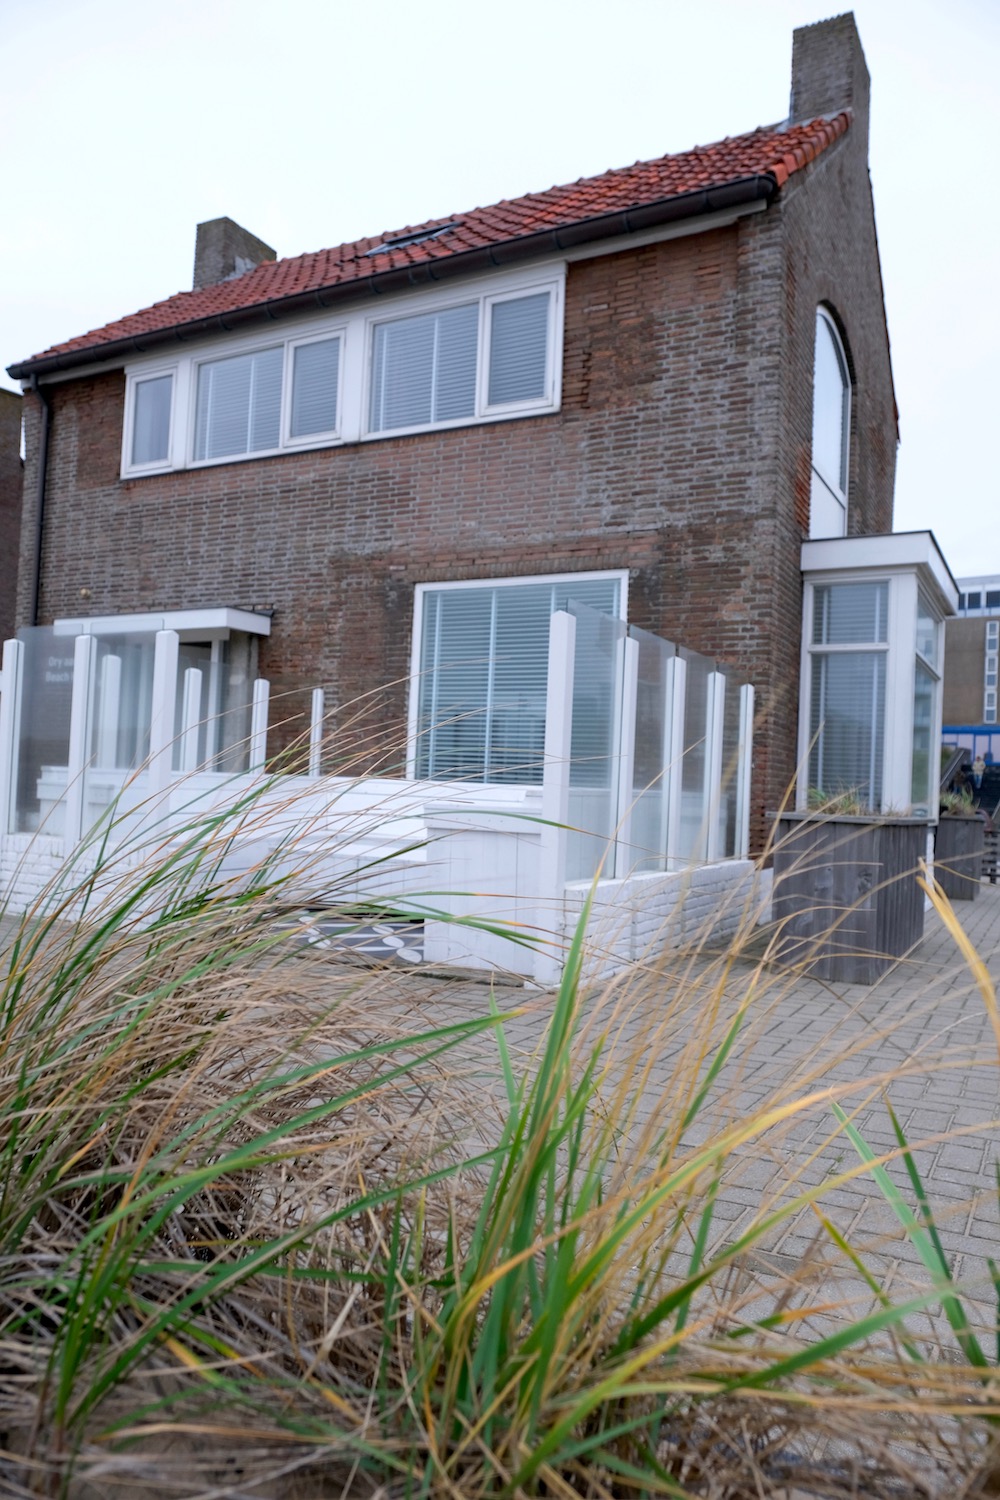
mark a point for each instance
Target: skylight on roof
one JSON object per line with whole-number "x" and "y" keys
{"x": 400, "y": 241}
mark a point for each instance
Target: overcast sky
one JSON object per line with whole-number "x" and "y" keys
{"x": 312, "y": 122}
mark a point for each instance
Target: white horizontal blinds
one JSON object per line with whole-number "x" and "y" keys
{"x": 847, "y": 725}
{"x": 483, "y": 672}
{"x": 315, "y": 374}
{"x": 850, "y": 614}
{"x": 239, "y": 405}
{"x": 151, "y": 423}
{"x": 847, "y": 698}
{"x": 454, "y": 684}
{"x": 424, "y": 369}
{"x": 519, "y": 349}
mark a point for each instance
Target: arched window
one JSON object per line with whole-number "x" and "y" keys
{"x": 830, "y": 432}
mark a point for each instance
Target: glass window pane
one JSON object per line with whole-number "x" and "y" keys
{"x": 975, "y": 601}
{"x": 424, "y": 369}
{"x": 518, "y": 349}
{"x": 238, "y": 406}
{"x": 927, "y": 633}
{"x": 483, "y": 676}
{"x": 151, "y": 420}
{"x": 923, "y": 720}
{"x": 830, "y": 391}
{"x": 847, "y": 724}
{"x": 846, "y": 614}
{"x": 315, "y": 372}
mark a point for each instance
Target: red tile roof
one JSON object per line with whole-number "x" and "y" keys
{"x": 773, "y": 153}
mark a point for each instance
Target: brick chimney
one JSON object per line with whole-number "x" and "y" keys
{"x": 224, "y": 249}
{"x": 829, "y": 73}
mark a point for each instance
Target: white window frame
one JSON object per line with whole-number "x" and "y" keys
{"x": 508, "y": 410}
{"x": 330, "y": 434}
{"x": 840, "y": 496}
{"x": 133, "y": 380}
{"x": 355, "y": 329}
{"x": 416, "y": 644}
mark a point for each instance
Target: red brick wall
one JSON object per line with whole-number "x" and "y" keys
{"x": 681, "y": 452}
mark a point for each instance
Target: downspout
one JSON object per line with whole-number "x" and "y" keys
{"x": 43, "y": 464}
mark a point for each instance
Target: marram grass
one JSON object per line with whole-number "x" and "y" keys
{"x": 273, "y": 1224}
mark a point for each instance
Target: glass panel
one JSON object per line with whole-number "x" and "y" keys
{"x": 315, "y": 373}
{"x": 992, "y": 598}
{"x": 518, "y": 349}
{"x": 123, "y": 697}
{"x": 692, "y": 839}
{"x": 593, "y": 776}
{"x": 43, "y": 731}
{"x": 830, "y": 391}
{"x": 730, "y": 765}
{"x": 847, "y": 725}
{"x": 151, "y": 421}
{"x": 923, "y": 721}
{"x": 975, "y": 601}
{"x": 483, "y": 676}
{"x": 649, "y": 803}
{"x": 927, "y": 632}
{"x": 846, "y": 614}
{"x": 239, "y": 405}
{"x": 827, "y": 511}
{"x": 424, "y": 369}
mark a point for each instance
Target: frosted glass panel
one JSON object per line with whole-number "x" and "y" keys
{"x": 593, "y": 776}
{"x": 649, "y": 809}
{"x": 42, "y": 747}
{"x": 692, "y": 839}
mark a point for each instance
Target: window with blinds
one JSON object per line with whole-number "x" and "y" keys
{"x": 431, "y": 369}
{"x": 238, "y": 406}
{"x": 483, "y": 665}
{"x": 847, "y": 690}
{"x": 493, "y": 352}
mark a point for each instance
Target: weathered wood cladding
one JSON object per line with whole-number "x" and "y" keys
{"x": 846, "y": 896}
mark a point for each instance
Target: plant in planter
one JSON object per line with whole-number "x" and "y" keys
{"x": 958, "y": 846}
{"x": 846, "y": 898}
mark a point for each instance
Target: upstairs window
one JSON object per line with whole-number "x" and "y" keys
{"x": 830, "y": 432}
{"x": 487, "y": 353}
{"x": 490, "y": 357}
{"x": 150, "y": 437}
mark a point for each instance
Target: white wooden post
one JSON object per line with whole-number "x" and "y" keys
{"x": 258, "y": 724}
{"x": 190, "y": 721}
{"x": 109, "y": 715}
{"x": 84, "y": 659}
{"x": 744, "y": 766}
{"x": 623, "y": 852}
{"x": 713, "y": 765}
{"x": 10, "y": 716}
{"x": 316, "y": 732}
{"x": 555, "y": 785}
{"x": 673, "y": 755}
{"x": 161, "y": 718}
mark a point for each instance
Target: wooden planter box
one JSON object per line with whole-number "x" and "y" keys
{"x": 958, "y": 856}
{"x": 846, "y": 896}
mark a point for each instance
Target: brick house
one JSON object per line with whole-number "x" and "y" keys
{"x": 669, "y": 379}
